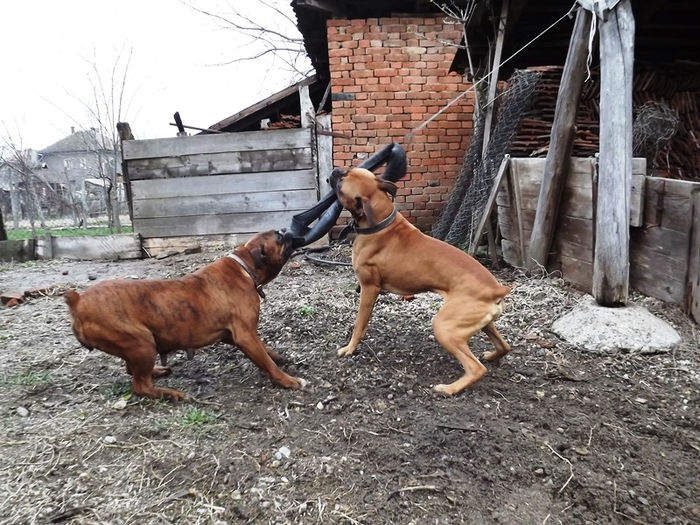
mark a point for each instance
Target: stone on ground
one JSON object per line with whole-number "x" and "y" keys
{"x": 602, "y": 329}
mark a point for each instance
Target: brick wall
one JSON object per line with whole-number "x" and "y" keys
{"x": 388, "y": 75}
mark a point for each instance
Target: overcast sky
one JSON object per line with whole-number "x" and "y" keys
{"x": 48, "y": 47}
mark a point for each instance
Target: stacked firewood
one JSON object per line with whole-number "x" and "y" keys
{"x": 677, "y": 86}
{"x": 286, "y": 122}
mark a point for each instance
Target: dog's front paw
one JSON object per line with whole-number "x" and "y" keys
{"x": 444, "y": 389}
{"x": 345, "y": 351}
{"x": 293, "y": 383}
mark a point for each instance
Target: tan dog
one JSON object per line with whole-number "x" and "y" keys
{"x": 136, "y": 320}
{"x": 389, "y": 253}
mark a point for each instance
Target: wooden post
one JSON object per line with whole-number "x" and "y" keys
{"x": 493, "y": 84}
{"x": 560, "y": 143}
{"x": 693, "y": 287}
{"x": 611, "y": 259}
{"x": 324, "y": 145}
{"x": 306, "y": 107}
{"x": 124, "y": 130}
{"x": 486, "y": 215}
{"x": 493, "y": 81}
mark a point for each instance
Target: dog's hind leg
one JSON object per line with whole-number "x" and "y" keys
{"x": 452, "y": 333}
{"x": 502, "y": 348}
{"x": 141, "y": 361}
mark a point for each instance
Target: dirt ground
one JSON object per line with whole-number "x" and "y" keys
{"x": 552, "y": 435}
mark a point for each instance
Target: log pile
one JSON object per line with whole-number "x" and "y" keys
{"x": 286, "y": 122}
{"x": 678, "y": 86}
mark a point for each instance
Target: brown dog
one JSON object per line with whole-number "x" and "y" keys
{"x": 136, "y": 320}
{"x": 389, "y": 253}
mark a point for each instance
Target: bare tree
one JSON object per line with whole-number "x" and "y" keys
{"x": 266, "y": 30}
{"x": 22, "y": 164}
{"x": 105, "y": 109}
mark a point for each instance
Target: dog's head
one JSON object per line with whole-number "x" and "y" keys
{"x": 363, "y": 194}
{"x": 270, "y": 251}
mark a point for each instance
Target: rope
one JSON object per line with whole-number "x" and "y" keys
{"x": 409, "y": 136}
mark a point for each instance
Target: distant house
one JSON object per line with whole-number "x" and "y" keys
{"x": 84, "y": 155}
{"x": 68, "y": 180}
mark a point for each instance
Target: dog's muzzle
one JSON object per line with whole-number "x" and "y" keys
{"x": 287, "y": 241}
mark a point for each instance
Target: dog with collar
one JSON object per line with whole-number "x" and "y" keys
{"x": 391, "y": 254}
{"x": 137, "y": 320}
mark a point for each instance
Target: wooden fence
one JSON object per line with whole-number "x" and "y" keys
{"x": 664, "y": 229}
{"x": 225, "y": 186}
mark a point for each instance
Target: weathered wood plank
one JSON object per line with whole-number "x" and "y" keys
{"x": 660, "y": 265}
{"x": 583, "y": 253}
{"x": 611, "y": 266}
{"x": 488, "y": 207}
{"x": 155, "y": 246}
{"x": 577, "y": 272}
{"x": 692, "y": 302}
{"x": 560, "y": 142}
{"x": 213, "y": 224}
{"x": 637, "y": 194}
{"x": 225, "y": 203}
{"x": 531, "y": 171}
{"x": 215, "y": 184}
{"x": 221, "y": 163}
{"x": 671, "y": 243}
{"x": 510, "y": 253}
{"x": 306, "y": 107}
{"x": 518, "y": 216}
{"x": 644, "y": 279}
{"x": 668, "y": 203}
{"x": 112, "y": 247}
{"x": 219, "y": 143}
{"x": 324, "y": 143}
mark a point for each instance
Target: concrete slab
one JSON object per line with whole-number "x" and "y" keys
{"x": 604, "y": 330}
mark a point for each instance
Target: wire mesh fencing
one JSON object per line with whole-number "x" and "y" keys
{"x": 32, "y": 208}
{"x": 460, "y": 218}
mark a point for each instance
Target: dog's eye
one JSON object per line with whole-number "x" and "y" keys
{"x": 358, "y": 202}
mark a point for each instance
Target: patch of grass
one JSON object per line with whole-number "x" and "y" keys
{"x": 197, "y": 417}
{"x": 28, "y": 378}
{"x": 119, "y": 389}
{"x": 305, "y": 311}
{"x": 73, "y": 232}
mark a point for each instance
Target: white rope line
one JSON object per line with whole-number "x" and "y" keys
{"x": 591, "y": 39}
{"x": 409, "y": 136}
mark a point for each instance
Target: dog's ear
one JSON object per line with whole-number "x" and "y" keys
{"x": 259, "y": 257}
{"x": 369, "y": 214}
{"x": 387, "y": 186}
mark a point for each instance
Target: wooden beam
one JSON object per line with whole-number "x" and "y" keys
{"x": 306, "y": 107}
{"x": 319, "y": 5}
{"x": 611, "y": 260}
{"x": 489, "y": 205}
{"x": 693, "y": 286}
{"x": 272, "y": 99}
{"x": 560, "y": 143}
{"x": 493, "y": 84}
{"x": 493, "y": 81}
{"x": 324, "y": 144}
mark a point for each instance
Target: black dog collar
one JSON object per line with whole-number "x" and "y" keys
{"x": 367, "y": 231}
{"x": 241, "y": 262}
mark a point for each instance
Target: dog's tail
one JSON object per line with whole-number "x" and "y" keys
{"x": 71, "y": 297}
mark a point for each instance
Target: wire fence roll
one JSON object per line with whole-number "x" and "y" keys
{"x": 514, "y": 104}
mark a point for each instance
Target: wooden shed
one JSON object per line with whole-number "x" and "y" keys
{"x": 576, "y": 215}
{"x": 225, "y": 184}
